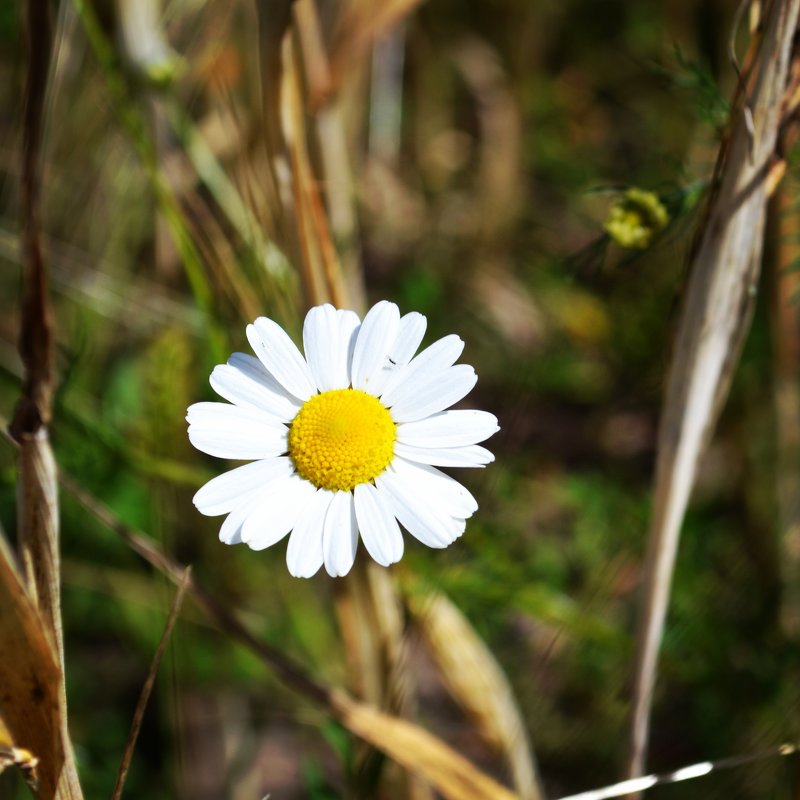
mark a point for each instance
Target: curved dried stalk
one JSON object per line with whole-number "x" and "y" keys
{"x": 712, "y": 329}
{"x": 476, "y": 682}
{"x": 38, "y": 518}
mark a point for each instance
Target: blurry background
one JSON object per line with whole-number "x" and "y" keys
{"x": 468, "y": 156}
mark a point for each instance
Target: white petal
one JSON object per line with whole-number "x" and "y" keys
{"x": 409, "y": 335}
{"x": 413, "y": 401}
{"x": 228, "y": 431}
{"x": 431, "y": 361}
{"x": 223, "y": 493}
{"x": 471, "y": 456}
{"x": 416, "y": 515}
{"x": 441, "y": 491}
{"x": 277, "y": 352}
{"x": 379, "y": 529}
{"x": 244, "y": 382}
{"x": 449, "y": 429}
{"x": 329, "y": 338}
{"x": 231, "y": 530}
{"x": 276, "y": 512}
{"x": 340, "y": 535}
{"x": 304, "y": 552}
{"x": 319, "y": 342}
{"x": 377, "y": 334}
{"x": 349, "y": 327}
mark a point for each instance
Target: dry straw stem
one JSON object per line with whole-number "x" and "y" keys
{"x": 38, "y": 519}
{"x": 414, "y": 748}
{"x": 303, "y": 229}
{"x": 372, "y": 630}
{"x": 323, "y": 282}
{"x": 419, "y": 752}
{"x": 275, "y": 57}
{"x": 371, "y": 622}
{"x": 785, "y": 318}
{"x": 478, "y": 684}
{"x": 330, "y": 141}
{"x": 357, "y": 610}
{"x": 360, "y": 26}
{"x": 714, "y": 321}
{"x": 144, "y": 695}
{"x": 368, "y": 605}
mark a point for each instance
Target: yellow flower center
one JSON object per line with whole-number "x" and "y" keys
{"x": 341, "y": 438}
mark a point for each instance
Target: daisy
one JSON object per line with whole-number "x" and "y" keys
{"x": 344, "y": 441}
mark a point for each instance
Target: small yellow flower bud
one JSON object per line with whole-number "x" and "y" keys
{"x": 636, "y": 218}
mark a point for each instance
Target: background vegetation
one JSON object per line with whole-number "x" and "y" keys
{"x": 468, "y": 158}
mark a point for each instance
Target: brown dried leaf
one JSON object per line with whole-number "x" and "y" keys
{"x": 29, "y": 683}
{"x": 11, "y": 756}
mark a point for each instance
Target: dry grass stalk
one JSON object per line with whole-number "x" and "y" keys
{"x": 712, "y": 329}
{"x": 419, "y": 752}
{"x": 786, "y": 393}
{"x": 477, "y": 683}
{"x": 786, "y": 381}
{"x": 275, "y": 58}
{"x": 370, "y": 616}
{"x": 361, "y": 24}
{"x": 147, "y": 688}
{"x": 336, "y": 178}
{"x": 356, "y": 615}
{"x": 315, "y": 285}
{"x": 38, "y": 517}
{"x": 368, "y": 605}
{"x": 414, "y": 748}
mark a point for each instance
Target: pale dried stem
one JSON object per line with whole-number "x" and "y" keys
{"x": 329, "y": 138}
{"x": 37, "y": 496}
{"x": 368, "y": 605}
{"x": 786, "y": 396}
{"x": 713, "y": 325}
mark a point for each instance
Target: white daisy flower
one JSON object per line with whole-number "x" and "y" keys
{"x": 343, "y": 441}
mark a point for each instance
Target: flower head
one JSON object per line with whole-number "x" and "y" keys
{"x": 636, "y": 218}
{"x": 345, "y": 440}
